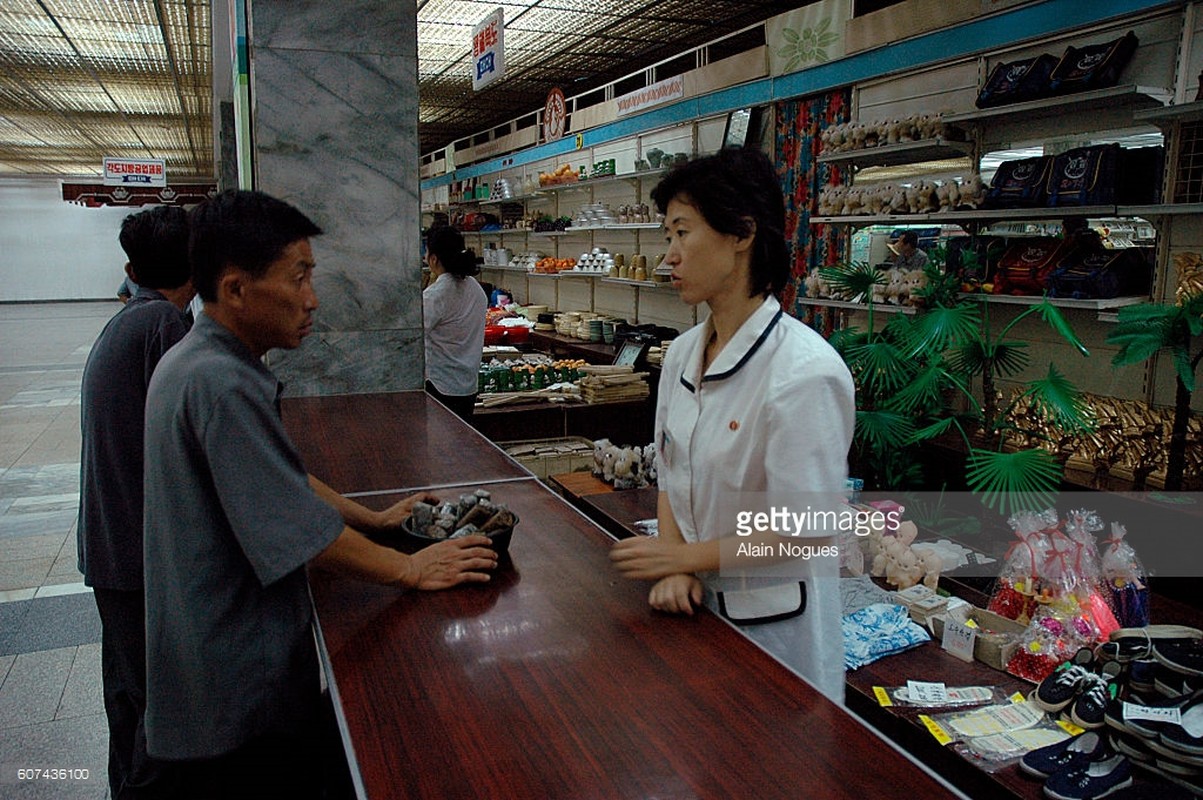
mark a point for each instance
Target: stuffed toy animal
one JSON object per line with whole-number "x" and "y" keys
{"x": 628, "y": 466}
{"x": 973, "y": 192}
{"x": 949, "y": 194}
{"x": 912, "y": 281}
{"x": 649, "y": 464}
{"x": 902, "y": 565}
{"x": 599, "y": 453}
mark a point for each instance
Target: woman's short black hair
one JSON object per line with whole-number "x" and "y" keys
{"x": 737, "y": 192}
{"x": 447, "y": 244}
{"x": 156, "y": 243}
{"x": 244, "y": 229}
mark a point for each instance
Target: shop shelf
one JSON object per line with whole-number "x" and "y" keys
{"x": 884, "y": 308}
{"x": 902, "y": 153}
{"x": 1079, "y": 103}
{"x": 1060, "y": 302}
{"x": 1182, "y": 112}
{"x": 642, "y": 284}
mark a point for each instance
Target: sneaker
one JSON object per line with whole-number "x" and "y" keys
{"x": 1187, "y": 735}
{"x": 1115, "y": 717}
{"x": 1142, "y": 675}
{"x": 1091, "y": 705}
{"x": 1092, "y": 780}
{"x": 1169, "y": 683}
{"x": 1064, "y": 755}
{"x": 1061, "y": 686}
{"x": 1133, "y": 747}
{"x": 1182, "y": 656}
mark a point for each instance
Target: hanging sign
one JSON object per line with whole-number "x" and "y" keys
{"x": 555, "y": 115}
{"x": 488, "y": 50}
{"x": 135, "y": 172}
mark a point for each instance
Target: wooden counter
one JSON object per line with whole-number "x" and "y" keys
{"x": 557, "y": 680}
{"x": 383, "y": 442}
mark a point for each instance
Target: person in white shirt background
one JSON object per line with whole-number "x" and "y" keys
{"x": 453, "y": 310}
{"x": 752, "y": 405}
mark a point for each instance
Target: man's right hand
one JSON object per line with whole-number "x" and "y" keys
{"x": 468, "y": 559}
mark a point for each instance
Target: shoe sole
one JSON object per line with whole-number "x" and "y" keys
{"x": 1184, "y": 760}
{"x": 1194, "y": 787}
{"x": 1181, "y": 669}
{"x": 1156, "y": 632}
{"x": 1133, "y": 752}
{"x": 1121, "y": 785}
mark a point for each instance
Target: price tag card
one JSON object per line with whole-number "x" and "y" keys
{"x": 924, "y": 693}
{"x": 958, "y": 639}
{"x": 1133, "y": 711}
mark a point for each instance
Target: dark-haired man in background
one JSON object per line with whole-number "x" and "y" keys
{"x": 109, "y": 532}
{"x": 232, "y": 520}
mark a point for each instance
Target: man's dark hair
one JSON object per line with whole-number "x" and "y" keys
{"x": 737, "y": 192}
{"x": 243, "y": 229}
{"x": 909, "y": 237}
{"x": 156, "y": 243}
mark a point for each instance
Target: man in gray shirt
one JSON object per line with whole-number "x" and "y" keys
{"x": 113, "y": 398}
{"x": 232, "y": 520}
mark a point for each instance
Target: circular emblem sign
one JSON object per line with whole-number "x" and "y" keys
{"x": 555, "y": 114}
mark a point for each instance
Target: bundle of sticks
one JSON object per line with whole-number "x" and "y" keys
{"x": 613, "y": 383}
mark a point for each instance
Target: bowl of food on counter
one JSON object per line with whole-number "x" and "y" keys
{"x": 474, "y": 513}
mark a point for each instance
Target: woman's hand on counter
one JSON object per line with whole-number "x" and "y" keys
{"x": 468, "y": 559}
{"x": 676, "y": 594}
{"x": 648, "y": 558}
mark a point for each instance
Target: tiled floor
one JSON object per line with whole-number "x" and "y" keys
{"x": 51, "y": 710}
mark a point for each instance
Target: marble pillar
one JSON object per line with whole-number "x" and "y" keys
{"x": 334, "y": 92}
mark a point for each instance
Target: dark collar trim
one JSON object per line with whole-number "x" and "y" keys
{"x": 687, "y": 384}
{"x": 751, "y": 350}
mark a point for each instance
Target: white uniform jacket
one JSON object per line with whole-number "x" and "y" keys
{"x": 774, "y": 414}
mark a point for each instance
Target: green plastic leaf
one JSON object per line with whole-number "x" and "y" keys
{"x": 1010, "y": 358}
{"x": 880, "y": 366}
{"x": 1009, "y": 482}
{"x": 969, "y": 358}
{"x": 1056, "y": 320}
{"x": 938, "y": 428}
{"x": 939, "y": 328}
{"x": 883, "y": 430}
{"x": 924, "y": 392}
{"x": 853, "y": 281}
{"x": 1060, "y": 402}
{"x": 845, "y": 339}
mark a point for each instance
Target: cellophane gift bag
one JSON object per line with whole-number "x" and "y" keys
{"x": 1126, "y": 579}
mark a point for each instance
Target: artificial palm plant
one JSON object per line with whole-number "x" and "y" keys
{"x": 1149, "y": 328}
{"x": 910, "y": 373}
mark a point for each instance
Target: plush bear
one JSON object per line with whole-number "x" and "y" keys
{"x": 948, "y": 193}
{"x": 609, "y": 459}
{"x": 898, "y": 201}
{"x": 893, "y": 131}
{"x": 876, "y": 198}
{"x": 871, "y": 133}
{"x": 649, "y": 464}
{"x": 928, "y": 201}
{"x": 599, "y": 454}
{"x": 912, "y": 281}
{"x": 812, "y": 283}
{"x": 853, "y": 199}
{"x": 895, "y": 289}
{"x": 628, "y": 464}
{"x": 973, "y": 192}
{"x": 858, "y": 136}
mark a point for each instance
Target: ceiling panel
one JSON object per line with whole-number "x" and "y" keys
{"x": 82, "y": 79}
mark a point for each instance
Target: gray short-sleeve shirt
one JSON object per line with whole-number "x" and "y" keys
{"x": 113, "y": 399}
{"x": 230, "y": 523}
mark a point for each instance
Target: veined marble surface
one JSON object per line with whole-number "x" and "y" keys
{"x": 336, "y": 136}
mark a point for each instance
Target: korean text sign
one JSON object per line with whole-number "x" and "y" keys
{"x": 488, "y": 50}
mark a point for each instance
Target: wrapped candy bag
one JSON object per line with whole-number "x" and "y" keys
{"x": 1017, "y": 586}
{"x": 1057, "y": 631}
{"x": 1126, "y": 579}
{"x": 1080, "y": 526}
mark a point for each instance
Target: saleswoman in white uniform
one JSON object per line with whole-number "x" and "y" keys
{"x": 752, "y": 404}
{"x": 453, "y": 309}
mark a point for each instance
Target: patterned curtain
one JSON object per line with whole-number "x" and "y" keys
{"x": 799, "y": 123}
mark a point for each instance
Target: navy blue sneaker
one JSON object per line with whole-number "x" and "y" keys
{"x": 1071, "y": 753}
{"x": 1091, "y": 781}
{"x": 1099, "y": 690}
{"x": 1182, "y": 656}
{"x": 1064, "y": 683}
